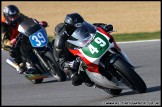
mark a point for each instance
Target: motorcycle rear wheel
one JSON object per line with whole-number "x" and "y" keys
{"x": 37, "y": 81}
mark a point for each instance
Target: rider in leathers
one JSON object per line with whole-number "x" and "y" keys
{"x": 10, "y": 21}
{"x": 67, "y": 60}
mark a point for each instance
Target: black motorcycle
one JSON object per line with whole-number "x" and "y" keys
{"x": 36, "y": 52}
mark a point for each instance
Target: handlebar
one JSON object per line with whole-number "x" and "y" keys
{"x": 112, "y": 31}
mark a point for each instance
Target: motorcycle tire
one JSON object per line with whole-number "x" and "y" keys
{"x": 37, "y": 81}
{"x": 56, "y": 71}
{"x": 132, "y": 79}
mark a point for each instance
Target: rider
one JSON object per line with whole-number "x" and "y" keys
{"x": 65, "y": 59}
{"x": 9, "y": 31}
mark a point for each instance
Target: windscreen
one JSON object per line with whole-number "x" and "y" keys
{"x": 81, "y": 36}
{"x": 28, "y": 27}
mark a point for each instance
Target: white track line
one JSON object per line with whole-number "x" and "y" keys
{"x": 139, "y": 41}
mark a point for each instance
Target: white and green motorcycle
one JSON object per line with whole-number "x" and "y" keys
{"x": 104, "y": 62}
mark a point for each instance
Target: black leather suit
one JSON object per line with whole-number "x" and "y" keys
{"x": 62, "y": 52}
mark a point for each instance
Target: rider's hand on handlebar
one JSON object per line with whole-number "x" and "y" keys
{"x": 108, "y": 28}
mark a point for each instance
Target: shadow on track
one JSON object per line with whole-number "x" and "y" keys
{"x": 51, "y": 81}
{"x": 150, "y": 89}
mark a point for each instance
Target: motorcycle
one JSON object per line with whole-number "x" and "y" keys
{"x": 103, "y": 60}
{"x": 36, "y": 52}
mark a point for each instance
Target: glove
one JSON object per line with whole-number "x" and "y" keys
{"x": 74, "y": 64}
{"x": 108, "y": 28}
{"x": 6, "y": 46}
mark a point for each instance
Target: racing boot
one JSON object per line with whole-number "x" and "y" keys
{"x": 87, "y": 81}
{"x": 72, "y": 72}
{"x": 21, "y": 68}
{"x": 78, "y": 79}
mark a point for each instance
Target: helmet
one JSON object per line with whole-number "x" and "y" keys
{"x": 11, "y": 14}
{"x": 72, "y": 21}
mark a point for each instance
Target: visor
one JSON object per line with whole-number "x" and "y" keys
{"x": 13, "y": 17}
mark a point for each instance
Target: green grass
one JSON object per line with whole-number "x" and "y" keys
{"x": 137, "y": 36}
{"x": 132, "y": 36}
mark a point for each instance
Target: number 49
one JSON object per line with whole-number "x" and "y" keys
{"x": 99, "y": 41}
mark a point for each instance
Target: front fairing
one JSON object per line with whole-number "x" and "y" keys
{"x": 90, "y": 41}
{"x": 34, "y": 31}
{"x": 81, "y": 36}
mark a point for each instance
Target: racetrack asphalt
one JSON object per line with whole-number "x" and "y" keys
{"x": 145, "y": 56}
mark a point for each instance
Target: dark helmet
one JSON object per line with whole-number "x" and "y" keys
{"x": 11, "y": 14}
{"x": 71, "y": 21}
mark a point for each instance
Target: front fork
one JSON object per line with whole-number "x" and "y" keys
{"x": 41, "y": 59}
{"x": 114, "y": 52}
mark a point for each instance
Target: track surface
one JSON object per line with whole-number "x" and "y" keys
{"x": 145, "y": 56}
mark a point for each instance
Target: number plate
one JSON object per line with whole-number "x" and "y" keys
{"x": 97, "y": 47}
{"x": 39, "y": 39}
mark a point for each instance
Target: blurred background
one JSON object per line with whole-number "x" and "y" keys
{"x": 125, "y": 16}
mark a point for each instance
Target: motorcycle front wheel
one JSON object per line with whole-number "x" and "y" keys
{"x": 129, "y": 76}
{"x": 55, "y": 69}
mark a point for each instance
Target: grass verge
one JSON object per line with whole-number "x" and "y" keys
{"x": 132, "y": 36}
{"x": 137, "y": 36}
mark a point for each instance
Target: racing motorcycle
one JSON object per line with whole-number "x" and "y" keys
{"x": 37, "y": 53}
{"x": 103, "y": 61}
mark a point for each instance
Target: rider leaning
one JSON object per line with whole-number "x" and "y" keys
{"x": 9, "y": 31}
{"x": 65, "y": 58}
